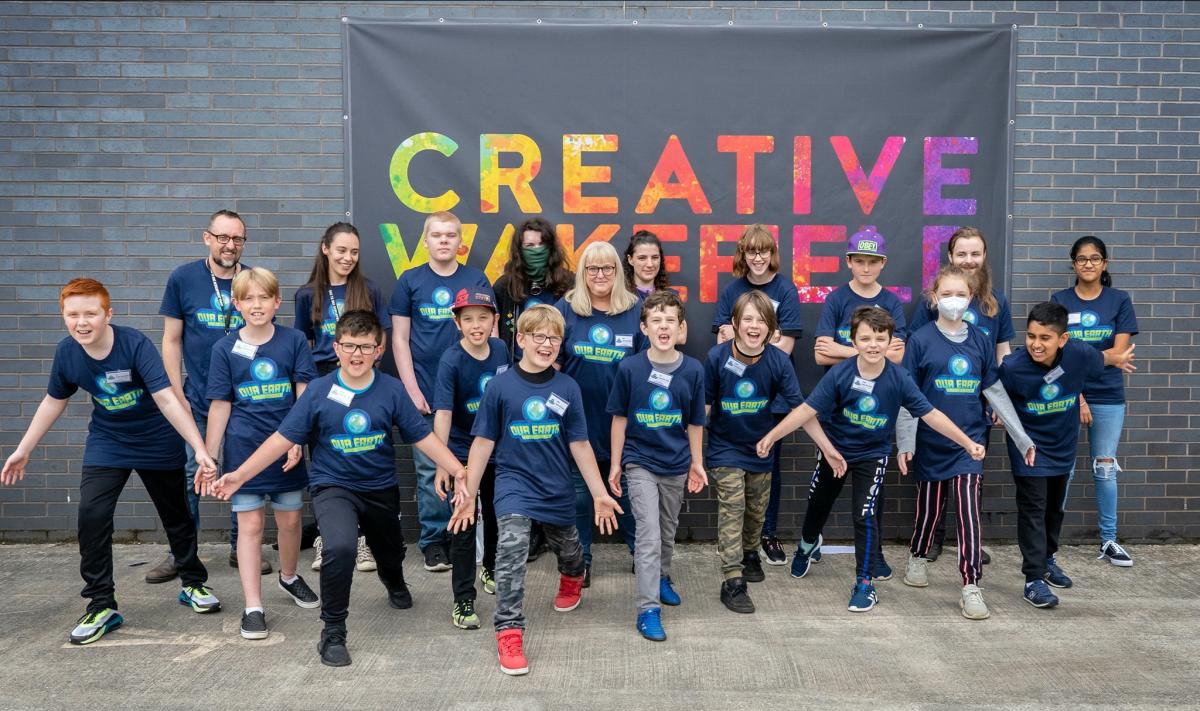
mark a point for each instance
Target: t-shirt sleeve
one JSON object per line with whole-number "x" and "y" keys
{"x": 220, "y": 380}
{"x": 823, "y": 398}
{"x": 172, "y": 300}
{"x": 413, "y": 428}
{"x": 697, "y": 416}
{"x": 303, "y": 322}
{"x": 827, "y": 322}
{"x": 921, "y": 315}
{"x": 150, "y": 366}
{"x": 1004, "y": 324}
{"x": 789, "y": 386}
{"x": 299, "y": 422}
{"x": 912, "y": 399}
{"x": 788, "y": 313}
{"x": 489, "y": 417}
{"x": 304, "y": 369}
{"x": 618, "y": 396}
{"x": 401, "y": 304}
{"x": 60, "y": 387}
{"x": 897, "y": 312}
{"x": 1094, "y": 360}
{"x": 443, "y": 384}
{"x": 574, "y": 420}
{"x": 1126, "y": 321}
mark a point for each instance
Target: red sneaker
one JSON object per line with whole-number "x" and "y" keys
{"x": 510, "y": 649}
{"x": 569, "y": 591}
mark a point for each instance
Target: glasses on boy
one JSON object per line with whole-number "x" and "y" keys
{"x": 540, "y": 338}
{"x": 364, "y": 348}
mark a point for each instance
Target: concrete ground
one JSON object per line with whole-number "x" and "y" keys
{"x": 1121, "y": 637}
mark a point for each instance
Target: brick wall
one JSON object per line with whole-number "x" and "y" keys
{"x": 122, "y": 125}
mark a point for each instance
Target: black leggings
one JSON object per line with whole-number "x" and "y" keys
{"x": 462, "y": 544}
{"x": 866, "y": 479}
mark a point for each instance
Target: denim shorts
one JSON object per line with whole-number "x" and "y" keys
{"x": 280, "y": 501}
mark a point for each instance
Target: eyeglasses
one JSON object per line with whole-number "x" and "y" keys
{"x": 540, "y": 338}
{"x": 238, "y": 240}
{"x": 1093, "y": 259}
{"x": 366, "y": 349}
{"x": 606, "y": 270}
{"x": 758, "y": 254}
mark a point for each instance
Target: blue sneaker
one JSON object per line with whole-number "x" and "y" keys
{"x": 1038, "y": 595}
{"x": 1055, "y": 576}
{"x": 666, "y": 592}
{"x": 649, "y": 623}
{"x": 880, "y": 570}
{"x": 863, "y": 598}
{"x": 801, "y": 562}
{"x": 815, "y": 556}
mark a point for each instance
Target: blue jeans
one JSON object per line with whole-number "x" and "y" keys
{"x": 193, "y": 499}
{"x": 1103, "y": 436}
{"x": 432, "y": 512}
{"x": 585, "y": 514}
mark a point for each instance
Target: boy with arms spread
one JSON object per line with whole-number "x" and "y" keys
{"x": 532, "y": 417}
{"x": 346, "y": 418}
{"x": 135, "y": 425}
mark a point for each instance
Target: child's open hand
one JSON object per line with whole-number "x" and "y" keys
{"x": 903, "y": 458}
{"x": 614, "y": 478}
{"x": 464, "y": 512}
{"x": 441, "y": 483}
{"x": 697, "y": 478}
{"x": 1030, "y": 456}
{"x": 225, "y": 487}
{"x": 836, "y": 462}
{"x": 295, "y": 454}
{"x": 606, "y": 513}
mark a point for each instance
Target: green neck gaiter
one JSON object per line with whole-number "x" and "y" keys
{"x": 535, "y": 262}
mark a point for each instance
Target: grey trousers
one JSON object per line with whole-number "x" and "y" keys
{"x": 656, "y": 501}
{"x": 512, "y": 550}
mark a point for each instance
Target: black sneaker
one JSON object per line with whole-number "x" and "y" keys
{"x": 301, "y": 594}
{"x": 752, "y": 568}
{"x": 254, "y": 625}
{"x": 332, "y": 648}
{"x": 400, "y": 598}
{"x": 772, "y": 549}
{"x": 436, "y": 560}
{"x": 587, "y": 576}
{"x": 934, "y": 551}
{"x": 735, "y": 596}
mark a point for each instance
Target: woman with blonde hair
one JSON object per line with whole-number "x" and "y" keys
{"x": 603, "y": 325}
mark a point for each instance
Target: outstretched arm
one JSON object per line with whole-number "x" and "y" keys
{"x": 48, "y": 412}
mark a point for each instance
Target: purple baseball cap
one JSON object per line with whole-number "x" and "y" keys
{"x": 867, "y": 241}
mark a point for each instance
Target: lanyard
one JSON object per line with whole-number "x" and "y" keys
{"x": 226, "y": 310}
{"x": 337, "y": 313}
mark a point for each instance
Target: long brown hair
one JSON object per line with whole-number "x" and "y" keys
{"x": 756, "y": 238}
{"x": 558, "y": 277}
{"x": 983, "y": 276}
{"x": 661, "y": 280}
{"x": 358, "y": 296}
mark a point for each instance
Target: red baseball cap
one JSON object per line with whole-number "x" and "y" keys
{"x": 465, "y": 298}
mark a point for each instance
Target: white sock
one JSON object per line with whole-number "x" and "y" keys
{"x": 253, "y": 609}
{"x": 288, "y": 580}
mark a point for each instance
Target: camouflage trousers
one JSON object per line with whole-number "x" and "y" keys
{"x": 742, "y": 498}
{"x": 512, "y": 550}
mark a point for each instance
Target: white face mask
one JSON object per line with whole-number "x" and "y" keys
{"x": 952, "y": 308}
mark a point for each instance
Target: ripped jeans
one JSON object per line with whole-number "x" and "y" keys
{"x": 1103, "y": 436}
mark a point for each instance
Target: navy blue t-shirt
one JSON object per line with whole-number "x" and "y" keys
{"x": 660, "y": 407}
{"x": 780, "y": 290}
{"x": 952, "y": 376}
{"x": 351, "y": 444}
{"x": 533, "y": 426}
{"x": 740, "y": 396}
{"x": 208, "y": 316}
{"x": 426, "y": 297}
{"x": 322, "y": 338}
{"x": 998, "y": 328}
{"x": 859, "y": 415}
{"x": 461, "y": 381}
{"x": 1047, "y": 401}
{"x": 1097, "y": 323}
{"x": 592, "y": 348}
{"x": 259, "y": 383}
{"x": 126, "y": 430}
{"x": 840, "y": 306}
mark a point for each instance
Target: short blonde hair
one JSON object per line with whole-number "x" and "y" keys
{"x": 541, "y": 317}
{"x": 621, "y": 299}
{"x": 441, "y": 216}
{"x": 255, "y": 276}
{"x": 756, "y": 238}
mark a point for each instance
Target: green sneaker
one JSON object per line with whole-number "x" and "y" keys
{"x": 464, "y": 616}
{"x": 94, "y": 625}
{"x": 489, "y": 582}
{"x": 199, "y": 598}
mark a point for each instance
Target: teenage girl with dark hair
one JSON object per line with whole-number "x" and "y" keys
{"x": 536, "y": 273}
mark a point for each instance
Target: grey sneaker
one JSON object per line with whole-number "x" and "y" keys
{"x": 94, "y": 625}
{"x": 916, "y": 573}
{"x": 364, "y": 562}
{"x": 317, "y": 546}
{"x": 973, "y": 606}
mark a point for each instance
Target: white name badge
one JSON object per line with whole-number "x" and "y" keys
{"x": 244, "y": 349}
{"x": 557, "y": 404}
{"x": 863, "y": 385}
{"x": 1073, "y": 318}
{"x": 735, "y": 366}
{"x": 624, "y": 341}
{"x": 1054, "y": 374}
{"x": 663, "y": 380}
{"x": 340, "y": 395}
{"x": 501, "y": 368}
{"x": 118, "y": 376}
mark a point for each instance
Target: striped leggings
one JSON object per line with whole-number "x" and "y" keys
{"x": 931, "y": 498}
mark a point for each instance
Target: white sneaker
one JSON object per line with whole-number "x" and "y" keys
{"x": 1115, "y": 554}
{"x": 973, "y": 606}
{"x": 364, "y": 562}
{"x": 916, "y": 573}
{"x": 317, "y": 544}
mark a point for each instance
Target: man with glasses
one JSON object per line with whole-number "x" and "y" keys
{"x": 197, "y": 309}
{"x": 422, "y": 330}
